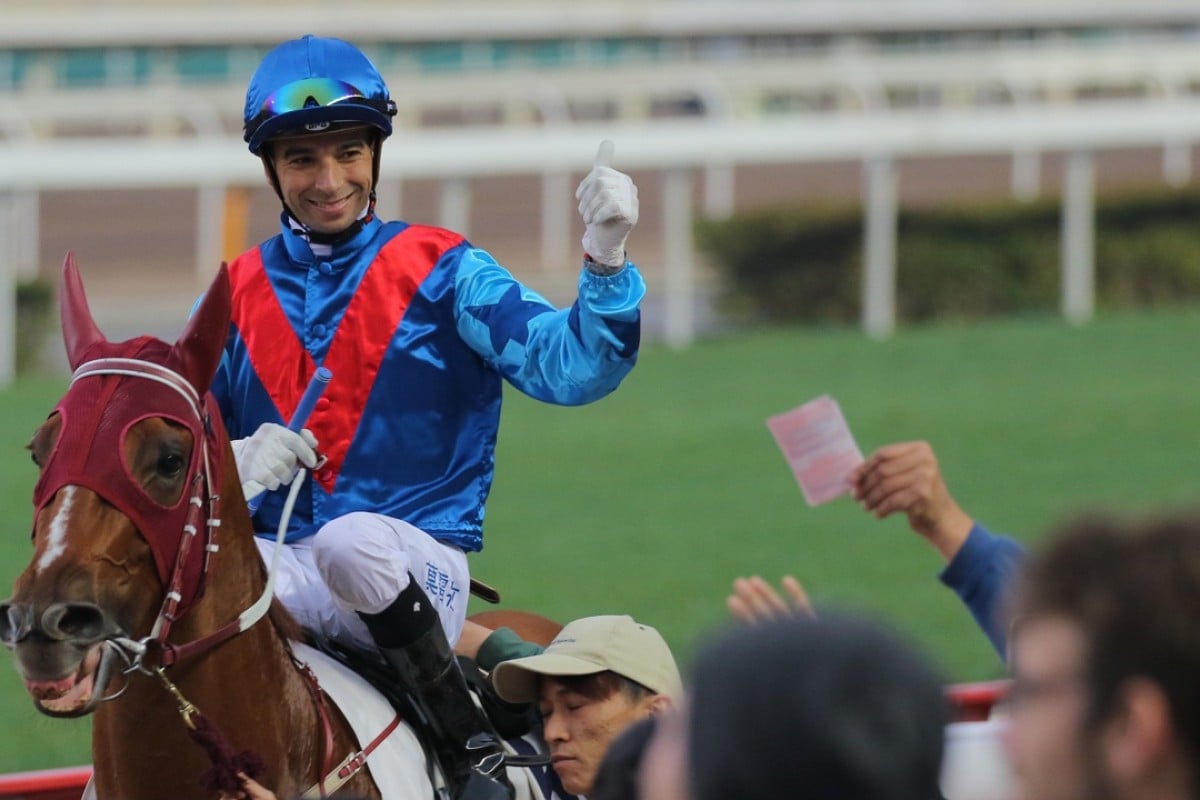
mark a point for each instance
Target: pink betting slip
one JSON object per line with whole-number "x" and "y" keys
{"x": 818, "y": 447}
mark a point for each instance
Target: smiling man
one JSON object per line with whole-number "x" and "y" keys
{"x": 599, "y": 676}
{"x": 420, "y": 330}
{"x": 324, "y": 179}
{"x": 1105, "y": 648}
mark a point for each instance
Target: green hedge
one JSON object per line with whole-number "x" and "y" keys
{"x": 35, "y": 301}
{"x": 805, "y": 263}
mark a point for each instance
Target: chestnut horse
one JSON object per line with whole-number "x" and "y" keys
{"x": 145, "y": 601}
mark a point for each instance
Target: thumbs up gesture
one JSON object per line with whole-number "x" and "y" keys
{"x": 608, "y": 203}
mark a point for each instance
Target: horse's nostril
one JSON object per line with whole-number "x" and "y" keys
{"x": 16, "y": 621}
{"x": 81, "y": 622}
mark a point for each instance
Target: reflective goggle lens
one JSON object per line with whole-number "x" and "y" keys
{"x": 308, "y": 93}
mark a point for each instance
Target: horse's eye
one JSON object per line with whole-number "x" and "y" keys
{"x": 170, "y": 465}
{"x": 33, "y": 457}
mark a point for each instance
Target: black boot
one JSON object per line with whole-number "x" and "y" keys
{"x": 410, "y": 636}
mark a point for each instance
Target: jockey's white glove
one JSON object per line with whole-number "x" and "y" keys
{"x": 608, "y": 203}
{"x": 271, "y": 456}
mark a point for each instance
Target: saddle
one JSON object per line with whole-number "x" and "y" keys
{"x": 510, "y": 721}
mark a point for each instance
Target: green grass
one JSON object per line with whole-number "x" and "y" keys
{"x": 651, "y": 501}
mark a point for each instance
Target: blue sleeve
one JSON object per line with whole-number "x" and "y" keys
{"x": 566, "y": 356}
{"x": 979, "y": 574}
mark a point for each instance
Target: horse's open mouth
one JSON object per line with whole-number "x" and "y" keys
{"x": 70, "y": 696}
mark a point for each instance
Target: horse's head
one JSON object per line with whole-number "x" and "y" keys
{"x": 127, "y": 460}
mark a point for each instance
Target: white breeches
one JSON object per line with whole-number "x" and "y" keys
{"x": 361, "y": 562}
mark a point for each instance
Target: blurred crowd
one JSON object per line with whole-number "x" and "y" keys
{"x": 1098, "y": 628}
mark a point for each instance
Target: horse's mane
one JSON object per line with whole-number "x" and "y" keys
{"x": 284, "y": 622}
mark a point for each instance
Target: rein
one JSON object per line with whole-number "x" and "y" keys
{"x": 135, "y": 652}
{"x": 227, "y": 764}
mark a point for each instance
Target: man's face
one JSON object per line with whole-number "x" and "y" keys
{"x": 1053, "y": 756}
{"x": 325, "y": 179}
{"x": 579, "y": 729}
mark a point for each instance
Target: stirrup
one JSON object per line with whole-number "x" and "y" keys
{"x": 499, "y": 758}
{"x": 486, "y": 755}
{"x": 484, "y": 777}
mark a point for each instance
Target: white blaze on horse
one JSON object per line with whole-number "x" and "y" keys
{"x": 134, "y": 606}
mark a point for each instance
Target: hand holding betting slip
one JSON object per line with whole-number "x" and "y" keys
{"x": 818, "y": 446}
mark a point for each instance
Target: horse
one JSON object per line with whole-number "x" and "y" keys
{"x": 134, "y": 608}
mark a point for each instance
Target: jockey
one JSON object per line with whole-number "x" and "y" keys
{"x": 418, "y": 328}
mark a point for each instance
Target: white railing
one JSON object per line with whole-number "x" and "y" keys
{"x": 678, "y": 148}
{"x": 1051, "y": 74}
{"x": 31, "y": 23}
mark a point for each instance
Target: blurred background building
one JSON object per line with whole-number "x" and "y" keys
{"x": 120, "y": 126}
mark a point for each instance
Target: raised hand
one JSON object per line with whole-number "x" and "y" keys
{"x": 608, "y": 204}
{"x": 905, "y": 477}
{"x": 754, "y": 600}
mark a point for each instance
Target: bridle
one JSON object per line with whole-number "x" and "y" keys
{"x": 152, "y": 654}
{"x": 202, "y": 492}
{"x": 199, "y": 480}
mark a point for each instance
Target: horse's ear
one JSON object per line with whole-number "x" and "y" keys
{"x": 203, "y": 339}
{"x": 80, "y": 332}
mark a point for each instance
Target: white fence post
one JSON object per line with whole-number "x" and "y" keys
{"x": 680, "y": 284}
{"x": 8, "y": 289}
{"x": 1026, "y": 173}
{"x": 210, "y": 232}
{"x": 1078, "y": 238}
{"x": 557, "y": 206}
{"x": 26, "y": 233}
{"x": 454, "y": 205}
{"x": 879, "y": 249}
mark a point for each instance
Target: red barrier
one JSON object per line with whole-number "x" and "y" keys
{"x": 970, "y": 702}
{"x": 973, "y": 702}
{"x": 48, "y": 784}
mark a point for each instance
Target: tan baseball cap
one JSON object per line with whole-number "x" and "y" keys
{"x": 588, "y": 646}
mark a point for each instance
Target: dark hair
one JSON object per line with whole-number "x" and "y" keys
{"x": 616, "y": 777}
{"x": 602, "y": 685}
{"x": 824, "y": 709}
{"x": 1133, "y": 588}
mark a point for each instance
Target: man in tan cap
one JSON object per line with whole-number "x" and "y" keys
{"x": 599, "y": 676}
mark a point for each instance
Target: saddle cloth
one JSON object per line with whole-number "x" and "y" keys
{"x": 398, "y": 763}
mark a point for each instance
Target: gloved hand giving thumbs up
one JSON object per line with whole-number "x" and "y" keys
{"x": 608, "y": 203}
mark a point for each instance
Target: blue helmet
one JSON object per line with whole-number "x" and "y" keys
{"x": 311, "y": 84}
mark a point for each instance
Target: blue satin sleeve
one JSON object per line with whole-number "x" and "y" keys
{"x": 565, "y": 356}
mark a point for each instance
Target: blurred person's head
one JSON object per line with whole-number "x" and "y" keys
{"x": 317, "y": 112}
{"x": 599, "y": 676}
{"x": 821, "y": 708}
{"x": 663, "y": 769}
{"x": 617, "y": 776}
{"x": 1105, "y": 653}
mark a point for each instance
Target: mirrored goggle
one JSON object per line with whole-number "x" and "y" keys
{"x": 308, "y": 93}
